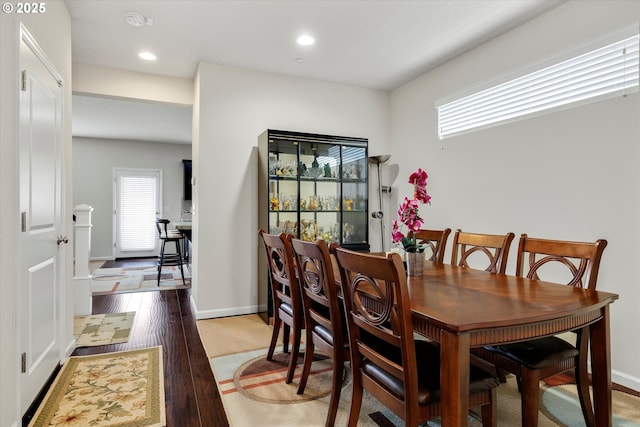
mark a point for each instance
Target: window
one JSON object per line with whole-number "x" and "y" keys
{"x": 607, "y": 71}
{"x": 137, "y": 205}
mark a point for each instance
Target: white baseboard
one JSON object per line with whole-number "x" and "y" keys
{"x": 102, "y": 258}
{"x": 224, "y": 312}
{"x": 625, "y": 380}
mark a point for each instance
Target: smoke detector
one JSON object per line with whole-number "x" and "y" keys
{"x": 136, "y": 19}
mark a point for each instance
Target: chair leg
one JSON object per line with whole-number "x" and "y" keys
{"x": 336, "y": 388}
{"x": 180, "y": 260}
{"x": 502, "y": 377}
{"x": 582, "y": 379}
{"x": 286, "y": 333}
{"x": 530, "y": 397}
{"x": 274, "y": 336}
{"x": 356, "y": 401}
{"x": 160, "y": 260}
{"x": 295, "y": 351}
{"x": 308, "y": 359}
{"x": 490, "y": 410}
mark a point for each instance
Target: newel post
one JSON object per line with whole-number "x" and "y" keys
{"x": 82, "y": 275}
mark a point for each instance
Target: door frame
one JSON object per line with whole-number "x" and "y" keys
{"x": 116, "y": 170}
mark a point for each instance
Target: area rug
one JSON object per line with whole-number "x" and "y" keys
{"x": 102, "y": 329}
{"x": 560, "y": 403}
{"x": 254, "y": 392}
{"x": 123, "y": 389}
{"x": 119, "y": 280}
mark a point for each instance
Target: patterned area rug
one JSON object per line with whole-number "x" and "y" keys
{"x": 102, "y": 329}
{"x": 123, "y": 389}
{"x": 119, "y": 280}
{"x": 254, "y": 392}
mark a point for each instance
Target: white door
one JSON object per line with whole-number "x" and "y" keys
{"x": 138, "y": 199}
{"x": 41, "y": 271}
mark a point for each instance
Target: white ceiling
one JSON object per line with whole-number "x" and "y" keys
{"x": 378, "y": 44}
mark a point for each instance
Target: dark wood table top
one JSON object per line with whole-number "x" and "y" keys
{"x": 462, "y": 299}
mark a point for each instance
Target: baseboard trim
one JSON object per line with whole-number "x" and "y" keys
{"x": 102, "y": 258}
{"x": 625, "y": 380}
{"x": 224, "y": 312}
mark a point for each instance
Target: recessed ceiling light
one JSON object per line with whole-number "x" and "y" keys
{"x": 147, "y": 56}
{"x": 306, "y": 40}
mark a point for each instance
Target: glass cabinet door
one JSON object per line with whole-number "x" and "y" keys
{"x": 283, "y": 187}
{"x": 355, "y": 202}
{"x": 320, "y": 192}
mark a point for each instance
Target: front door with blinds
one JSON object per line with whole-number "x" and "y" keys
{"x": 137, "y": 205}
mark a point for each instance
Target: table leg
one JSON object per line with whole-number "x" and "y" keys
{"x": 601, "y": 369}
{"x": 454, "y": 379}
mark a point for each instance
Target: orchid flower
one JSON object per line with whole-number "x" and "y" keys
{"x": 408, "y": 212}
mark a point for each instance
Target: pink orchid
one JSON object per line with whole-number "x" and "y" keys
{"x": 408, "y": 212}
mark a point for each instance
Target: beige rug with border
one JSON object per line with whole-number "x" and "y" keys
{"x": 118, "y": 280}
{"x": 102, "y": 329}
{"x": 254, "y": 392}
{"x": 123, "y": 389}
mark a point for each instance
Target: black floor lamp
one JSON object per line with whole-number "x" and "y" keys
{"x": 379, "y": 215}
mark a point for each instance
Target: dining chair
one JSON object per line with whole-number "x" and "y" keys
{"x": 167, "y": 235}
{"x": 436, "y": 240}
{"x": 474, "y": 247}
{"x": 324, "y": 325}
{"x": 386, "y": 361}
{"x": 285, "y": 295}
{"x": 534, "y": 360}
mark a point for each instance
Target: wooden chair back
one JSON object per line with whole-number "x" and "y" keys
{"x": 380, "y": 332}
{"x": 284, "y": 283}
{"x": 285, "y": 296}
{"x": 437, "y": 241}
{"x": 318, "y": 287}
{"x": 494, "y": 246}
{"x": 323, "y": 313}
{"x": 581, "y": 260}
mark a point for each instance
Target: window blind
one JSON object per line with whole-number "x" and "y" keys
{"x": 137, "y": 213}
{"x": 609, "y": 70}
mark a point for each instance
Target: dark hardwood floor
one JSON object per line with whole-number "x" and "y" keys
{"x": 166, "y": 318}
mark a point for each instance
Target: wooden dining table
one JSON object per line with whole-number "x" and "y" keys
{"x": 461, "y": 308}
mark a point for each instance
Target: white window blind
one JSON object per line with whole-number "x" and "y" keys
{"x": 609, "y": 71}
{"x": 137, "y": 213}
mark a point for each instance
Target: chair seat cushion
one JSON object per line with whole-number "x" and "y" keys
{"x": 323, "y": 333}
{"x": 428, "y": 361}
{"x": 326, "y": 335}
{"x": 286, "y": 308}
{"x": 536, "y": 354}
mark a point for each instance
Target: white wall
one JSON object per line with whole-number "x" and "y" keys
{"x": 232, "y": 107}
{"x": 111, "y": 82}
{"x": 93, "y": 164}
{"x": 52, "y": 30}
{"x": 570, "y": 175}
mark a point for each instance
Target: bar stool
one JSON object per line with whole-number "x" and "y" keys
{"x": 169, "y": 259}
